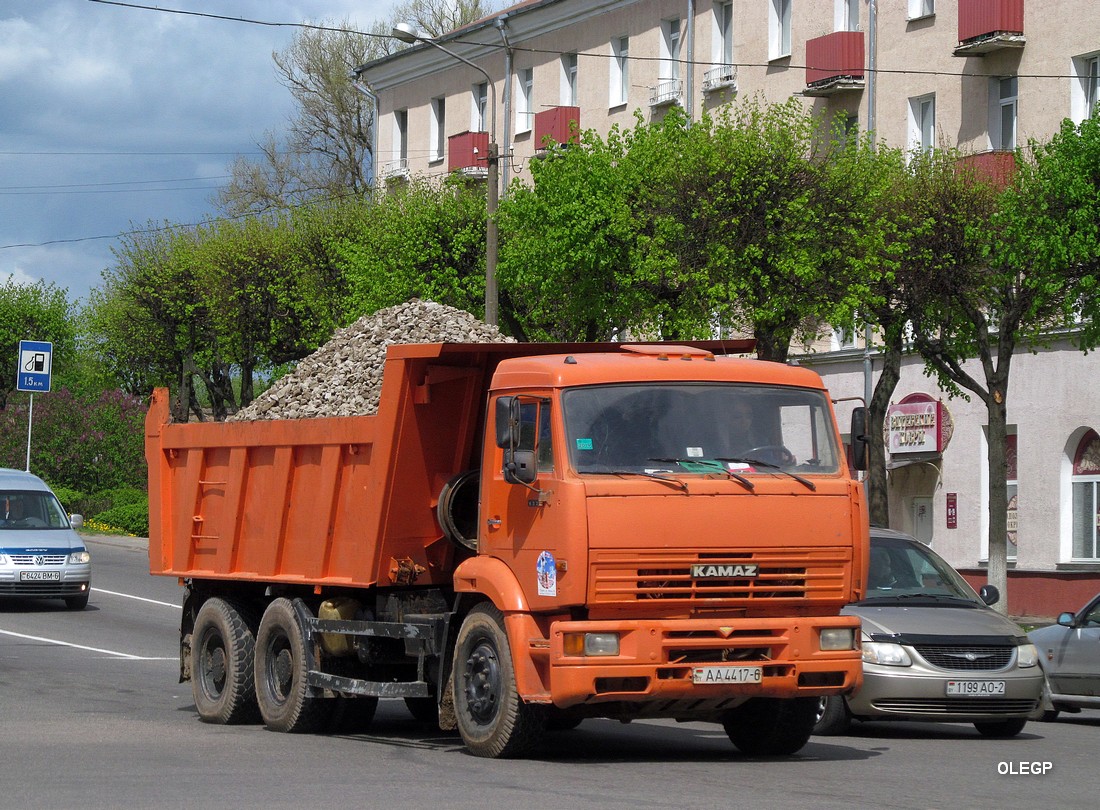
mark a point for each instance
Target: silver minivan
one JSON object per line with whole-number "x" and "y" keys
{"x": 41, "y": 556}
{"x": 933, "y": 649}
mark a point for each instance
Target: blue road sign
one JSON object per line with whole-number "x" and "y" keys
{"x": 35, "y": 366}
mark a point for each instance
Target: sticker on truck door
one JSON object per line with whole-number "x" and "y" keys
{"x": 547, "y": 574}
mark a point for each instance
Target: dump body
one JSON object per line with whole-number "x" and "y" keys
{"x": 592, "y": 513}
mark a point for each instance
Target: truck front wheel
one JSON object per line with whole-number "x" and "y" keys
{"x": 223, "y": 645}
{"x": 492, "y": 719}
{"x": 765, "y": 727}
{"x": 286, "y": 701}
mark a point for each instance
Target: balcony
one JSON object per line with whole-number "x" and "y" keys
{"x": 667, "y": 91}
{"x": 834, "y": 63}
{"x": 395, "y": 170}
{"x": 560, "y": 124}
{"x": 719, "y": 77}
{"x": 468, "y": 152}
{"x": 986, "y": 26}
{"x": 995, "y": 167}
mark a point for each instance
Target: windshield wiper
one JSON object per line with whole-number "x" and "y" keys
{"x": 668, "y": 479}
{"x": 716, "y": 464}
{"x": 806, "y": 482}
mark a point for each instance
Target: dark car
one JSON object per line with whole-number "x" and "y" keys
{"x": 1069, "y": 653}
{"x": 933, "y": 649}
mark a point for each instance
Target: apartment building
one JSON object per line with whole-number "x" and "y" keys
{"x": 984, "y": 76}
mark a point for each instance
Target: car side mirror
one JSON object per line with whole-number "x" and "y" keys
{"x": 507, "y": 422}
{"x": 76, "y": 521}
{"x": 1066, "y": 619}
{"x": 989, "y": 594}
{"x": 520, "y": 467}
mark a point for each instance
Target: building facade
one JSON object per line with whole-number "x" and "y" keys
{"x": 983, "y": 76}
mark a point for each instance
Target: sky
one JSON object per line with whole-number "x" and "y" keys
{"x": 114, "y": 118}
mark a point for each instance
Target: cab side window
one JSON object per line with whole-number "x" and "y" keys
{"x": 534, "y": 432}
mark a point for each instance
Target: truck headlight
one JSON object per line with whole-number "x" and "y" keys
{"x": 837, "y": 638}
{"x": 886, "y": 653}
{"x": 79, "y": 557}
{"x": 591, "y": 644}
{"x": 1026, "y": 656}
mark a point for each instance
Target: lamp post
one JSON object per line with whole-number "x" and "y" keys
{"x": 407, "y": 33}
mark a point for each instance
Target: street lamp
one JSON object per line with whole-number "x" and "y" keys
{"x": 407, "y": 33}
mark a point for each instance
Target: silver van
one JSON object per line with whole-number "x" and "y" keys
{"x": 41, "y": 556}
{"x": 933, "y": 649}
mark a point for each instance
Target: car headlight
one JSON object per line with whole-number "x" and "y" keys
{"x": 886, "y": 653}
{"x": 1026, "y": 656}
{"x": 79, "y": 557}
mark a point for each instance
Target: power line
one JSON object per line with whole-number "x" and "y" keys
{"x": 37, "y": 189}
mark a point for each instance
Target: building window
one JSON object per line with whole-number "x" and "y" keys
{"x": 670, "y": 50}
{"x": 1003, "y": 126}
{"x": 922, "y": 123}
{"x": 779, "y": 28}
{"x": 619, "y": 86}
{"x": 846, "y": 15}
{"x": 1086, "y": 499}
{"x": 921, "y": 8}
{"x": 569, "y": 79}
{"x": 1085, "y": 90}
{"x": 480, "y": 108}
{"x": 844, "y": 337}
{"x": 722, "y": 44}
{"x": 525, "y": 113}
{"x": 437, "y": 129}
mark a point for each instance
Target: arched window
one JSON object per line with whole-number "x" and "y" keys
{"x": 1086, "y": 498}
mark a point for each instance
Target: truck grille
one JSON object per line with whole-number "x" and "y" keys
{"x": 967, "y": 659}
{"x": 791, "y": 574}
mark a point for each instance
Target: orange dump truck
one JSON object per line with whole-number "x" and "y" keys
{"x": 522, "y": 537}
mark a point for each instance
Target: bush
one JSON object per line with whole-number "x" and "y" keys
{"x": 71, "y": 499}
{"x": 132, "y": 518}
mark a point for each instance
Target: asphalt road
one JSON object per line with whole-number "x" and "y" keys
{"x": 92, "y": 716}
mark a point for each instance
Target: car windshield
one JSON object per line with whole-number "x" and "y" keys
{"x": 30, "y": 509}
{"x": 903, "y": 569}
{"x": 699, "y": 428}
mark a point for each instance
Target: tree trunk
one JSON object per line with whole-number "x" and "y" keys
{"x": 998, "y": 496}
{"x": 878, "y": 496}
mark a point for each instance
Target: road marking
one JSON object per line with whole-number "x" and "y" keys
{"x": 82, "y": 647}
{"x": 138, "y": 598}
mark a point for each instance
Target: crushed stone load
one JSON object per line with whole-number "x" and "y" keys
{"x": 344, "y": 376}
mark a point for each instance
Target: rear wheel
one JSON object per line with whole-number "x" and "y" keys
{"x": 1001, "y": 728}
{"x": 287, "y": 702}
{"x": 223, "y": 648}
{"x": 491, "y": 717}
{"x": 771, "y": 726}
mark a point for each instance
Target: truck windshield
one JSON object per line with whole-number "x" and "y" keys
{"x": 699, "y": 428}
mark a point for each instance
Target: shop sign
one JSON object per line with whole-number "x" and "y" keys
{"x": 917, "y": 424}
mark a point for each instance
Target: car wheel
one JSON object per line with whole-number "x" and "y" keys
{"x": 832, "y": 716}
{"x": 77, "y": 602}
{"x": 1001, "y": 728}
{"x": 771, "y": 726}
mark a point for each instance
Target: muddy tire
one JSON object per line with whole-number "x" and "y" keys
{"x": 287, "y": 702}
{"x": 223, "y": 650}
{"x": 492, "y": 719}
{"x": 766, "y": 727}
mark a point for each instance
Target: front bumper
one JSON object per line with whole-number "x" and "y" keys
{"x": 657, "y": 658}
{"x": 73, "y": 580}
{"x": 919, "y": 693}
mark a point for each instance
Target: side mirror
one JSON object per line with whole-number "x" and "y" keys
{"x": 520, "y": 467}
{"x": 861, "y": 442}
{"x": 1066, "y": 619}
{"x": 76, "y": 521}
{"x": 507, "y": 422}
{"x": 989, "y": 594}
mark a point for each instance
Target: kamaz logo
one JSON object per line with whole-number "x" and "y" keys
{"x": 699, "y": 571}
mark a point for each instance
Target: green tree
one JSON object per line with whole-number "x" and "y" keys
{"x": 39, "y": 311}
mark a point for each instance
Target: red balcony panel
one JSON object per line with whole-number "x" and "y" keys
{"x": 557, "y": 123}
{"x": 834, "y": 55}
{"x": 979, "y": 18}
{"x": 468, "y": 150}
{"x": 998, "y": 168}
